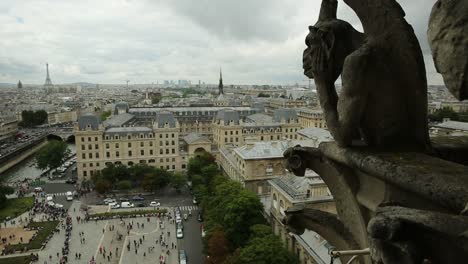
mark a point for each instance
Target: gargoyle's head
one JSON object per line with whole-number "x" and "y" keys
{"x": 316, "y": 56}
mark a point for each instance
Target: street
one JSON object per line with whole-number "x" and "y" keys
{"x": 192, "y": 240}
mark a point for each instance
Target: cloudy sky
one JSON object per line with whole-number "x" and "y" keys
{"x": 109, "y": 41}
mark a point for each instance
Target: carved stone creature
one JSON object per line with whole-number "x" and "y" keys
{"x": 448, "y": 38}
{"x": 384, "y": 94}
{"x": 400, "y": 235}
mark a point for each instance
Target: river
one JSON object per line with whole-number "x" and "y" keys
{"x": 26, "y": 169}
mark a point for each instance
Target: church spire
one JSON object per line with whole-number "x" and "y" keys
{"x": 220, "y": 86}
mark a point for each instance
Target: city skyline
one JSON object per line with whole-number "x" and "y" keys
{"x": 110, "y": 42}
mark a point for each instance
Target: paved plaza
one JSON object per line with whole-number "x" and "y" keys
{"x": 91, "y": 239}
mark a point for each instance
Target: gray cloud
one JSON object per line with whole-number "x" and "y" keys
{"x": 109, "y": 41}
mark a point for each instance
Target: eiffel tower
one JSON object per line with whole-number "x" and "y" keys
{"x": 48, "y": 83}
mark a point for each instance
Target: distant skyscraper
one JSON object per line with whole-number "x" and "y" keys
{"x": 220, "y": 86}
{"x": 20, "y": 85}
{"x": 48, "y": 83}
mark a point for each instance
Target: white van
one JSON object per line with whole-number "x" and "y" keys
{"x": 127, "y": 205}
{"x": 69, "y": 196}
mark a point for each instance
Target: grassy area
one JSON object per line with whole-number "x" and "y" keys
{"x": 45, "y": 229}
{"x": 128, "y": 213}
{"x": 16, "y": 260}
{"x": 15, "y": 207}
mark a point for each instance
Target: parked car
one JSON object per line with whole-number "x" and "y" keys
{"x": 140, "y": 205}
{"x": 109, "y": 200}
{"x": 123, "y": 199}
{"x": 114, "y": 205}
{"x": 127, "y": 205}
{"x": 155, "y": 204}
{"x": 182, "y": 257}
{"x": 180, "y": 226}
{"x": 38, "y": 189}
{"x": 69, "y": 196}
{"x": 137, "y": 198}
{"x": 70, "y": 181}
{"x": 180, "y": 233}
{"x": 178, "y": 219}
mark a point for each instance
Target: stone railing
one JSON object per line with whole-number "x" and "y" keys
{"x": 407, "y": 207}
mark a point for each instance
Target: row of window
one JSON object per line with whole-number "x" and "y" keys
{"x": 89, "y": 139}
{"x": 130, "y": 153}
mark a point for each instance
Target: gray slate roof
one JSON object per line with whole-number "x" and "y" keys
{"x": 228, "y": 115}
{"x": 284, "y": 114}
{"x": 165, "y": 117}
{"x": 88, "y": 120}
{"x": 128, "y": 130}
{"x": 262, "y": 150}
{"x": 319, "y": 134}
{"x": 194, "y": 137}
{"x": 118, "y": 120}
{"x": 121, "y": 105}
{"x": 259, "y": 118}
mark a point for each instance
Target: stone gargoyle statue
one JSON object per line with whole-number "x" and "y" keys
{"x": 383, "y": 99}
{"x": 448, "y": 38}
{"x": 383, "y": 104}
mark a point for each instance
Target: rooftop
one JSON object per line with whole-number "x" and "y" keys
{"x": 88, "y": 120}
{"x": 296, "y": 187}
{"x": 118, "y": 120}
{"x": 194, "y": 137}
{"x": 316, "y": 133}
{"x": 455, "y": 125}
{"x": 262, "y": 150}
{"x": 259, "y": 118}
{"x": 126, "y": 130}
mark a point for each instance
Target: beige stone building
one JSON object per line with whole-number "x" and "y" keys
{"x": 8, "y": 128}
{"x": 254, "y": 163}
{"x": 99, "y": 144}
{"x": 279, "y": 103}
{"x": 61, "y": 117}
{"x": 308, "y": 191}
{"x": 230, "y": 129}
{"x": 191, "y": 119}
{"x": 196, "y": 144}
{"x": 311, "y": 118}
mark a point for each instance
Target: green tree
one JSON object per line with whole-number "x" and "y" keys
{"x": 263, "y": 247}
{"x": 124, "y": 185}
{"x": 33, "y": 118}
{"x": 196, "y": 164}
{"x": 445, "y": 112}
{"x": 156, "y": 180}
{"x": 52, "y": 155}
{"x": 4, "y": 191}
{"x": 155, "y": 98}
{"x": 235, "y": 209}
{"x": 139, "y": 170}
{"x": 103, "y": 186}
{"x": 115, "y": 173}
{"x": 262, "y": 94}
{"x": 218, "y": 248}
{"x": 178, "y": 180}
{"x": 105, "y": 115}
